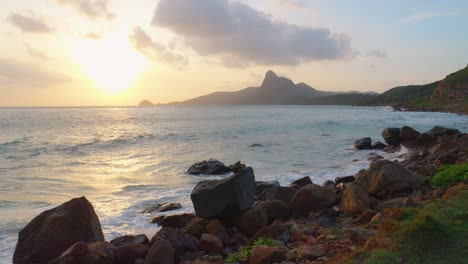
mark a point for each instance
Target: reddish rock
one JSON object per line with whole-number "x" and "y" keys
{"x": 267, "y": 255}
{"x": 215, "y": 227}
{"x": 275, "y": 231}
{"x": 128, "y": 254}
{"x": 196, "y": 227}
{"x": 310, "y": 252}
{"x": 174, "y": 221}
{"x": 312, "y": 198}
{"x": 365, "y": 217}
{"x": 359, "y": 235}
{"x": 211, "y": 243}
{"x": 180, "y": 241}
{"x": 55, "y": 230}
{"x": 354, "y": 200}
{"x": 252, "y": 220}
{"x": 162, "y": 207}
{"x": 130, "y": 240}
{"x": 93, "y": 253}
{"x": 161, "y": 252}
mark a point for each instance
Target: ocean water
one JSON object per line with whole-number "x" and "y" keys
{"x": 124, "y": 159}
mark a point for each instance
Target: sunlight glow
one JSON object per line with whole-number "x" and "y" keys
{"x": 111, "y": 62}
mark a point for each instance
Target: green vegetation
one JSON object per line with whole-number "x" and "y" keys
{"x": 457, "y": 77}
{"x": 245, "y": 251}
{"x": 436, "y": 233}
{"x": 408, "y": 93}
{"x": 343, "y": 99}
{"x": 450, "y": 174}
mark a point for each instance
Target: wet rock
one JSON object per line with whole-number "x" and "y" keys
{"x": 312, "y": 198}
{"x": 363, "y": 143}
{"x": 256, "y": 145}
{"x": 181, "y": 242}
{"x": 254, "y": 219}
{"x": 302, "y": 181}
{"x": 392, "y": 136}
{"x": 237, "y": 167}
{"x": 161, "y": 252}
{"x": 354, "y": 200}
{"x": 386, "y": 179}
{"x": 211, "y": 243}
{"x": 408, "y": 133}
{"x": 162, "y": 207}
{"x": 261, "y": 186}
{"x": 224, "y": 198}
{"x": 210, "y": 167}
{"x": 374, "y": 157}
{"x": 310, "y": 252}
{"x": 344, "y": 179}
{"x": 379, "y": 145}
{"x": 92, "y": 253}
{"x": 55, "y": 230}
{"x": 130, "y": 240}
{"x": 174, "y": 221}
{"x": 438, "y": 131}
{"x": 281, "y": 193}
{"x": 266, "y": 255}
{"x": 329, "y": 184}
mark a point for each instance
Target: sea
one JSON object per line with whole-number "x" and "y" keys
{"x": 124, "y": 159}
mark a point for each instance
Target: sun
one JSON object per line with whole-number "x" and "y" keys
{"x": 110, "y": 62}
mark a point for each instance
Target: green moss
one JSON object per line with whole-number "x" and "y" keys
{"x": 243, "y": 253}
{"x": 266, "y": 241}
{"x": 450, "y": 174}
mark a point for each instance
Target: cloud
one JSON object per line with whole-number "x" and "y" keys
{"x": 155, "y": 51}
{"x": 293, "y": 3}
{"x": 91, "y": 8}
{"x": 37, "y": 54}
{"x": 92, "y": 35}
{"x": 382, "y": 54}
{"x": 424, "y": 16}
{"x": 29, "y": 24}
{"x": 14, "y": 74}
{"x": 230, "y": 29}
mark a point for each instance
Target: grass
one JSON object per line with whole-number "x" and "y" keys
{"x": 450, "y": 174}
{"x": 244, "y": 252}
{"x": 436, "y": 233}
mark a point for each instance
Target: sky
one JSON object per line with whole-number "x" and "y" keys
{"x": 118, "y": 52}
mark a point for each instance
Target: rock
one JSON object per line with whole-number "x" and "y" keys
{"x": 224, "y": 198}
{"x": 174, "y": 221}
{"x": 329, "y": 184}
{"x": 161, "y": 252}
{"x": 92, "y": 253}
{"x": 376, "y": 218}
{"x": 392, "y": 136}
{"x": 344, "y": 179}
{"x": 379, "y": 145}
{"x": 256, "y": 145}
{"x": 365, "y": 217}
{"x": 326, "y": 221}
{"x": 363, "y": 143}
{"x": 237, "y": 167}
{"x": 160, "y": 208}
{"x": 392, "y": 203}
{"x": 211, "y": 243}
{"x": 256, "y": 218}
{"x": 210, "y": 167}
{"x": 302, "y": 181}
{"x": 145, "y": 103}
{"x": 312, "y": 198}
{"x": 281, "y": 193}
{"x": 310, "y": 252}
{"x": 266, "y": 255}
{"x": 181, "y": 242}
{"x": 130, "y": 240}
{"x": 386, "y": 179}
{"x": 55, "y": 230}
{"x": 215, "y": 227}
{"x": 359, "y": 235}
{"x": 277, "y": 230}
{"x": 261, "y": 186}
{"x": 196, "y": 227}
{"x": 438, "y": 131}
{"x": 354, "y": 200}
{"x": 408, "y": 133}
{"x": 424, "y": 139}
{"x": 374, "y": 157}
{"x": 130, "y": 253}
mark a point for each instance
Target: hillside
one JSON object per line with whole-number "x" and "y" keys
{"x": 339, "y": 99}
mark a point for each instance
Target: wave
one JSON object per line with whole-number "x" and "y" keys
{"x": 13, "y": 143}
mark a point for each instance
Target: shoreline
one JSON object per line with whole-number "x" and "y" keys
{"x": 220, "y": 233}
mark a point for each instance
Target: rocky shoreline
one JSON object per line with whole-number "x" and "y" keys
{"x": 240, "y": 220}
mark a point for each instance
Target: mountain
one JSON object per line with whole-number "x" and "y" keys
{"x": 145, "y": 103}
{"x": 274, "y": 90}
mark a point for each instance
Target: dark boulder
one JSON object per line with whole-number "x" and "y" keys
{"x": 438, "y": 131}
{"x": 237, "y": 167}
{"x": 224, "y": 198}
{"x": 196, "y": 227}
{"x": 261, "y": 186}
{"x": 408, "y": 133}
{"x": 302, "y": 181}
{"x": 312, "y": 198}
{"x": 130, "y": 240}
{"x": 354, "y": 200}
{"x": 344, "y": 179}
{"x": 281, "y": 193}
{"x": 256, "y": 145}
{"x": 161, "y": 252}
{"x": 55, "y": 230}
{"x": 180, "y": 241}
{"x": 210, "y": 167}
{"x": 162, "y": 207}
{"x": 363, "y": 143}
{"x": 379, "y": 145}
{"x": 174, "y": 221}
{"x": 392, "y": 136}
{"x": 92, "y": 253}
{"x": 211, "y": 244}
{"x": 329, "y": 184}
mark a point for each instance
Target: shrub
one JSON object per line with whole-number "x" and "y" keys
{"x": 450, "y": 174}
{"x": 245, "y": 251}
{"x": 266, "y": 241}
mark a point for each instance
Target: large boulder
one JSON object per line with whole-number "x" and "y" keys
{"x": 55, "y": 230}
{"x": 392, "y": 136}
{"x": 282, "y": 193}
{"x": 354, "y": 200}
{"x": 174, "y": 221}
{"x": 162, "y": 207}
{"x": 180, "y": 241}
{"x": 408, "y": 133}
{"x": 302, "y": 181}
{"x": 261, "y": 186}
{"x": 210, "y": 167}
{"x": 224, "y": 198}
{"x": 92, "y": 253}
{"x": 128, "y": 240}
{"x": 438, "y": 131}
{"x": 312, "y": 198}
{"x": 363, "y": 143}
{"x": 386, "y": 179}
{"x": 161, "y": 252}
